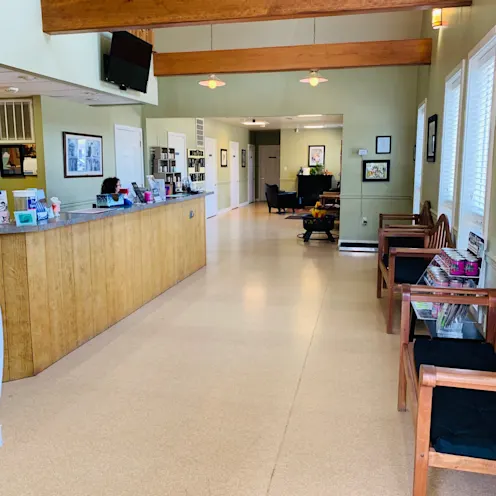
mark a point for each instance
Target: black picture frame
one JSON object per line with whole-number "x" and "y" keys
{"x": 383, "y": 138}
{"x": 94, "y": 157}
{"x": 12, "y": 169}
{"x": 243, "y": 158}
{"x": 431, "y": 148}
{"x": 380, "y": 176}
{"x": 312, "y": 150}
{"x": 223, "y": 157}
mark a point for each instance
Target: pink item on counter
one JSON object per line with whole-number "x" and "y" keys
{"x": 148, "y": 197}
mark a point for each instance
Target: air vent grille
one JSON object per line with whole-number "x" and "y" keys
{"x": 200, "y": 133}
{"x": 16, "y": 121}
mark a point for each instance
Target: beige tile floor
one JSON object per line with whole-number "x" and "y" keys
{"x": 267, "y": 373}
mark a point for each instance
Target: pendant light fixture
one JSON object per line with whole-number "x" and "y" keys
{"x": 213, "y": 81}
{"x": 314, "y": 77}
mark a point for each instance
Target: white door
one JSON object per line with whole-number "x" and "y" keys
{"x": 419, "y": 158}
{"x": 211, "y": 176}
{"x": 251, "y": 173}
{"x": 234, "y": 165}
{"x": 178, "y": 142}
{"x": 129, "y": 155}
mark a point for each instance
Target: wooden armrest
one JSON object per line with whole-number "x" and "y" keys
{"x": 403, "y": 233}
{"x": 407, "y": 226}
{"x": 414, "y": 252}
{"x": 399, "y": 216}
{"x": 457, "y": 378}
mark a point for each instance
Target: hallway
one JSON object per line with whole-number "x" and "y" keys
{"x": 269, "y": 372}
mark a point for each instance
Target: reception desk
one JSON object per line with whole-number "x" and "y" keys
{"x": 66, "y": 281}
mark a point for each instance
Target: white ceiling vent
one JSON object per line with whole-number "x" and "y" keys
{"x": 16, "y": 121}
{"x": 200, "y": 133}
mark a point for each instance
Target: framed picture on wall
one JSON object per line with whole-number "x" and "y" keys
{"x": 316, "y": 155}
{"x": 383, "y": 145}
{"x": 83, "y": 155}
{"x": 243, "y": 158}
{"x": 223, "y": 157}
{"x": 431, "y": 138}
{"x": 375, "y": 170}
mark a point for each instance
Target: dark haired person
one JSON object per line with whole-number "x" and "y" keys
{"x": 111, "y": 186}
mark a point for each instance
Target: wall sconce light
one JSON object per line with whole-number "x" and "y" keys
{"x": 437, "y": 19}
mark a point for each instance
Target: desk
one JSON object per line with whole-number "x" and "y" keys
{"x": 65, "y": 281}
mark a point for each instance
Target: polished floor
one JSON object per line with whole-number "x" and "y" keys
{"x": 266, "y": 373}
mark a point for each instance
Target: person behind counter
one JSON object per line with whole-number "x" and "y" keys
{"x": 111, "y": 186}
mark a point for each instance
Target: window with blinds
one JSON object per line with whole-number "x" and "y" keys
{"x": 478, "y": 139}
{"x": 419, "y": 157}
{"x": 449, "y": 150}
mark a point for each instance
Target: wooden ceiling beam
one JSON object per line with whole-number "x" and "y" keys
{"x": 295, "y": 58}
{"x": 70, "y": 16}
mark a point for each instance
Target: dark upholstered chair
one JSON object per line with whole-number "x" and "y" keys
{"x": 452, "y": 387}
{"x": 279, "y": 199}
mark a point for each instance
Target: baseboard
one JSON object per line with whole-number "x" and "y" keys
{"x": 244, "y": 204}
{"x": 224, "y": 211}
{"x": 358, "y": 245}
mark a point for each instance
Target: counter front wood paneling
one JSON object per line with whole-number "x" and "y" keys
{"x": 61, "y": 287}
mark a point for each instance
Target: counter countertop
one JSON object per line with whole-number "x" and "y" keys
{"x": 66, "y": 218}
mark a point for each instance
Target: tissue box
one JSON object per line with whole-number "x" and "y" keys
{"x": 109, "y": 200}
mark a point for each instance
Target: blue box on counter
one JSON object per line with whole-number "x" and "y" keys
{"x": 109, "y": 200}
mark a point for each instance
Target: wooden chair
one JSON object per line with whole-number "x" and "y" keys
{"x": 404, "y": 265}
{"x": 450, "y": 382}
{"x": 422, "y": 219}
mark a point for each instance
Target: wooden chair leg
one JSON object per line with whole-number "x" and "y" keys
{"x": 390, "y": 309}
{"x": 379, "y": 282}
{"x": 402, "y": 384}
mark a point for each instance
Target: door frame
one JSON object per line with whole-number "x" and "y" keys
{"x": 215, "y": 195}
{"x": 251, "y": 173}
{"x": 234, "y": 174}
{"x": 182, "y": 135}
{"x": 142, "y": 157}
{"x": 419, "y": 157}
{"x": 261, "y": 184}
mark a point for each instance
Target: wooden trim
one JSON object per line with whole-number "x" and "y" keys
{"x": 465, "y": 379}
{"x": 70, "y": 16}
{"x": 295, "y": 58}
{"x": 462, "y": 463}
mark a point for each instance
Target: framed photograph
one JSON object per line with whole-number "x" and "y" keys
{"x": 383, "y": 145}
{"x": 376, "y": 170}
{"x": 83, "y": 155}
{"x": 243, "y": 158}
{"x": 223, "y": 157}
{"x": 316, "y": 155}
{"x": 431, "y": 138}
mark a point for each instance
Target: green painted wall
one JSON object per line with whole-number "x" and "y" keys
{"x": 294, "y": 152}
{"x": 466, "y": 27}
{"x": 61, "y": 115}
{"x": 373, "y": 102}
{"x": 156, "y": 135}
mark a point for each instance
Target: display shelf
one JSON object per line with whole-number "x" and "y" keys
{"x": 439, "y": 260}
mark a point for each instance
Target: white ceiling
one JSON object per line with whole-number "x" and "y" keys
{"x": 48, "y": 87}
{"x": 286, "y": 122}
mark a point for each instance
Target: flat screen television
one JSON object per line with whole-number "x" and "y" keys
{"x": 128, "y": 64}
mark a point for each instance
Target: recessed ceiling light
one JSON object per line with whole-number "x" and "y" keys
{"x": 310, "y": 115}
{"x": 255, "y": 122}
{"x": 27, "y": 77}
{"x": 314, "y": 127}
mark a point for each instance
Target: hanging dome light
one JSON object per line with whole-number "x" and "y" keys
{"x": 212, "y": 82}
{"x": 314, "y": 78}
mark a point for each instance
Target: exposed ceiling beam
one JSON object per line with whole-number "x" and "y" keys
{"x": 294, "y": 58}
{"x": 69, "y": 16}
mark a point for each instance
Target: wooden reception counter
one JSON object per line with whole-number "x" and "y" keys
{"x": 65, "y": 281}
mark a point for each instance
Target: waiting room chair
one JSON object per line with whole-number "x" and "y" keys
{"x": 452, "y": 386}
{"x": 422, "y": 219}
{"x": 402, "y": 264}
{"x": 280, "y": 199}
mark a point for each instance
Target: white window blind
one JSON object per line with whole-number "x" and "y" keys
{"x": 478, "y": 139}
{"x": 419, "y": 151}
{"x": 449, "y": 150}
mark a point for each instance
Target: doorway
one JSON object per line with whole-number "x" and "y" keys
{"x": 178, "y": 142}
{"x": 251, "y": 173}
{"x": 234, "y": 159}
{"x": 129, "y": 165}
{"x": 269, "y": 160}
{"x": 211, "y": 176}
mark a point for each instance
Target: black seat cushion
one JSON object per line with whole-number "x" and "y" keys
{"x": 463, "y": 420}
{"x": 406, "y": 242}
{"x": 407, "y": 270}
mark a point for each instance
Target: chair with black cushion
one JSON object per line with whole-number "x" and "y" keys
{"x": 452, "y": 386}
{"x": 280, "y": 199}
{"x": 404, "y": 255}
